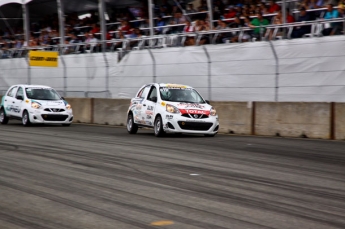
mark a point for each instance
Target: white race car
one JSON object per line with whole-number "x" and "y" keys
{"x": 171, "y": 108}
{"x": 35, "y": 104}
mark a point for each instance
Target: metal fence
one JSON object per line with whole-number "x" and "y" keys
{"x": 148, "y": 66}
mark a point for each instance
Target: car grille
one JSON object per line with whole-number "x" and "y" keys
{"x": 49, "y": 117}
{"x": 198, "y": 116}
{"x": 54, "y": 110}
{"x": 203, "y": 126}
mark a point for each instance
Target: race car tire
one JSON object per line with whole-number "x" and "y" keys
{"x": 26, "y": 119}
{"x": 158, "y": 127}
{"x": 210, "y": 135}
{"x": 66, "y": 124}
{"x": 132, "y": 128}
{"x": 3, "y": 118}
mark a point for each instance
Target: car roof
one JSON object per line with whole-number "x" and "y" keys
{"x": 174, "y": 85}
{"x": 31, "y": 86}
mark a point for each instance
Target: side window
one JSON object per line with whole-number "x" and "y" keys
{"x": 153, "y": 93}
{"x": 11, "y": 92}
{"x": 143, "y": 92}
{"x": 20, "y": 92}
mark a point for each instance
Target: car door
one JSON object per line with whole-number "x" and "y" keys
{"x": 149, "y": 106}
{"x": 139, "y": 112}
{"x": 18, "y": 102}
{"x": 9, "y": 102}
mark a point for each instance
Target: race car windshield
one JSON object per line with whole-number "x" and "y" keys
{"x": 42, "y": 94}
{"x": 186, "y": 95}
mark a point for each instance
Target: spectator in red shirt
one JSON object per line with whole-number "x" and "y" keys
{"x": 125, "y": 27}
{"x": 230, "y": 12}
{"x": 95, "y": 29}
{"x": 273, "y": 7}
{"x": 190, "y": 40}
{"x": 289, "y": 17}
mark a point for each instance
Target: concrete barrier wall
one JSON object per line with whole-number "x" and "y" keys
{"x": 110, "y": 111}
{"x": 234, "y": 117}
{"x": 310, "y": 120}
{"x": 82, "y": 109}
{"x": 339, "y": 121}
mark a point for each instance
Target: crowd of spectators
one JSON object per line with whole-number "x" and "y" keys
{"x": 178, "y": 18}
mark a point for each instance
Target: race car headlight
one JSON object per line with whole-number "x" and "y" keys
{"x": 68, "y": 107}
{"x": 35, "y": 105}
{"x": 172, "y": 109}
{"x": 213, "y": 112}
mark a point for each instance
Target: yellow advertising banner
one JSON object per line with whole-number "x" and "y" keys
{"x": 43, "y": 58}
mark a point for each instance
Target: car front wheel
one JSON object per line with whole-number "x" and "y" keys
{"x": 3, "y": 118}
{"x": 26, "y": 119}
{"x": 159, "y": 127}
{"x": 132, "y": 128}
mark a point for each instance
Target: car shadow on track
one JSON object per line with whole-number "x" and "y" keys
{"x": 18, "y": 123}
{"x": 172, "y": 135}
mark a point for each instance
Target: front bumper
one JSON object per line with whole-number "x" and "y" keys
{"x": 174, "y": 123}
{"x": 40, "y": 116}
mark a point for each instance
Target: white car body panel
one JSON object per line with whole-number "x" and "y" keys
{"x": 193, "y": 118}
{"x": 49, "y": 112}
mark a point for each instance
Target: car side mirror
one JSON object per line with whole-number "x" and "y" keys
{"x": 207, "y": 101}
{"x": 62, "y": 98}
{"x": 19, "y": 97}
{"x": 154, "y": 99}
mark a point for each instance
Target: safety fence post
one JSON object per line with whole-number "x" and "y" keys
{"x": 209, "y": 74}
{"x": 64, "y": 75}
{"x": 154, "y": 66}
{"x": 107, "y": 75}
{"x": 276, "y": 93}
{"x": 26, "y": 28}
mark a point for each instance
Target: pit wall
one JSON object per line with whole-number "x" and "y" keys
{"x": 285, "y": 119}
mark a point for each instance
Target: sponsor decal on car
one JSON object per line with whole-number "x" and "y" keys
{"x": 13, "y": 109}
{"x": 149, "y": 112}
{"x": 193, "y": 120}
{"x": 196, "y": 112}
{"x": 163, "y": 104}
{"x": 2, "y": 101}
{"x": 175, "y": 86}
{"x": 191, "y": 105}
{"x": 137, "y": 112}
{"x": 169, "y": 116}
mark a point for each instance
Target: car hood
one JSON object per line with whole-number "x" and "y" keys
{"x": 49, "y": 103}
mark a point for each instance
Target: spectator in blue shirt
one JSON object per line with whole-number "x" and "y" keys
{"x": 159, "y": 23}
{"x": 331, "y": 28}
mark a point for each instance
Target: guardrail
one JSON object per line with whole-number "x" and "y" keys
{"x": 187, "y": 14}
{"x": 269, "y": 32}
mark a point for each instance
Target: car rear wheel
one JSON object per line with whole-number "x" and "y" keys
{"x": 158, "y": 127}
{"x": 3, "y": 118}
{"x": 26, "y": 119}
{"x": 132, "y": 128}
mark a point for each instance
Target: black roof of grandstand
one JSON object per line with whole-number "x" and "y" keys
{"x": 42, "y": 7}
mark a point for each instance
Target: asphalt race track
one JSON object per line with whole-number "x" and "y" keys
{"x": 94, "y": 177}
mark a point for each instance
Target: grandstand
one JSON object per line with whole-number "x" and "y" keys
{"x": 108, "y": 48}
{"x": 127, "y": 24}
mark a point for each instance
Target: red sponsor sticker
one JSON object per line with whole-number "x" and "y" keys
{"x": 199, "y": 112}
